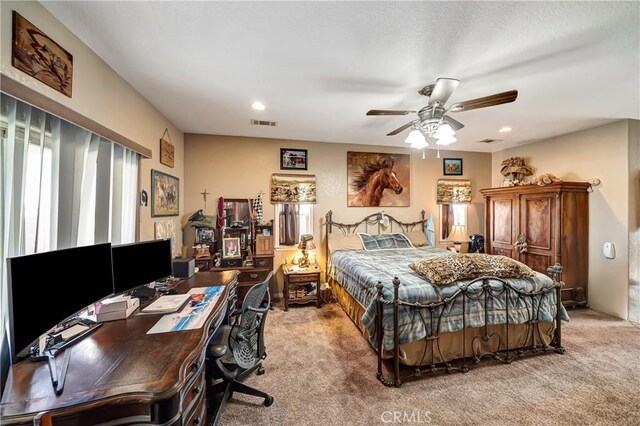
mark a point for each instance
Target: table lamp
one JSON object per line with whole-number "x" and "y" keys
{"x": 458, "y": 235}
{"x": 306, "y": 243}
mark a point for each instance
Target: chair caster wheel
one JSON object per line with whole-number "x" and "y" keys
{"x": 268, "y": 401}
{"x": 260, "y": 371}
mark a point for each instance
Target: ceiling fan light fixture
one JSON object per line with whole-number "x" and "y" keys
{"x": 444, "y": 131}
{"x": 505, "y": 129}
{"x": 446, "y": 141}
{"x": 415, "y": 137}
{"x": 420, "y": 144}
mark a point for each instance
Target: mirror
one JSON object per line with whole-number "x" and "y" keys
{"x": 237, "y": 212}
{"x": 451, "y": 214}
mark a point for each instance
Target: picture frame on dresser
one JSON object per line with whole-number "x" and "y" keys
{"x": 231, "y": 248}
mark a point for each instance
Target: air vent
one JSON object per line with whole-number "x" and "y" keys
{"x": 489, "y": 140}
{"x": 264, "y": 123}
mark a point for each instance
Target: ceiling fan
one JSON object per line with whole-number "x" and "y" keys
{"x": 433, "y": 120}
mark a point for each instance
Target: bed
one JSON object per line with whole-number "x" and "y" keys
{"x": 417, "y": 326}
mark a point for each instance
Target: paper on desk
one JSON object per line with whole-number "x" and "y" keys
{"x": 191, "y": 317}
{"x": 166, "y": 304}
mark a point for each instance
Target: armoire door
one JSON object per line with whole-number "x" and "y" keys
{"x": 502, "y": 222}
{"x": 537, "y": 229}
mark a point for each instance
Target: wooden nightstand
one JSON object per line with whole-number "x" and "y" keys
{"x": 296, "y": 282}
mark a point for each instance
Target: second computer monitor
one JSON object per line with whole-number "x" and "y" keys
{"x": 140, "y": 263}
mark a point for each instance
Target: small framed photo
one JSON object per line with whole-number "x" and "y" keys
{"x": 231, "y": 248}
{"x": 204, "y": 235}
{"x": 293, "y": 159}
{"x": 452, "y": 166}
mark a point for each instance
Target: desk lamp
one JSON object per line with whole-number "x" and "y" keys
{"x": 306, "y": 243}
{"x": 458, "y": 235}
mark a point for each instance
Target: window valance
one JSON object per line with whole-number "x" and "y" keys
{"x": 452, "y": 191}
{"x": 293, "y": 188}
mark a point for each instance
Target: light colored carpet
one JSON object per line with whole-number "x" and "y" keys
{"x": 320, "y": 370}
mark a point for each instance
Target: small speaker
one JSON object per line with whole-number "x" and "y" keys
{"x": 183, "y": 268}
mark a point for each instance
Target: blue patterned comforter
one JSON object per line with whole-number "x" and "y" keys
{"x": 359, "y": 272}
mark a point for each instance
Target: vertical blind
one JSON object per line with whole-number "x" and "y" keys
{"x": 60, "y": 186}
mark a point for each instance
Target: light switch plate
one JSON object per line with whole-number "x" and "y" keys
{"x": 609, "y": 250}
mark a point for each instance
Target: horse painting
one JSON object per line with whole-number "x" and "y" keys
{"x": 371, "y": 175}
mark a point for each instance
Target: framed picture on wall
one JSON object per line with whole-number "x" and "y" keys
{"x": 452, "y": 166}
{"x": 293, "y": 159}
{"x": 165, "y": 194}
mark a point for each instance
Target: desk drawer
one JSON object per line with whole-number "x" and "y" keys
{"x": 303, "y": 278}
{"x": 197, "y": 417}
{"x": 263, "y": 262}
{"x": 192, "y": 393}
{"x": 257, "y": 276}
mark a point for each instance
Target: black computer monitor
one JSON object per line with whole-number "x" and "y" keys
{"x": 47, "y": 288}
{"x": 140, "y": 263}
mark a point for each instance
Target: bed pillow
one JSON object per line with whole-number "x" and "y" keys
{"x": 341, "y": 241}
{"x": 449, "y": 268}
{"x": 417, "y": 238}
{"x": 384, "y": 241}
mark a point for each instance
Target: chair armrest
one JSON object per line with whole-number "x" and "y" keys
{"x": 258, "y": 310}
{"x": 217, "y": 351}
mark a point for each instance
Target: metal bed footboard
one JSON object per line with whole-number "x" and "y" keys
{"x": 435, "y": 311}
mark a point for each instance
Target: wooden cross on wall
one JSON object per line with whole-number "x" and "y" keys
{"x": 204, "y": 195}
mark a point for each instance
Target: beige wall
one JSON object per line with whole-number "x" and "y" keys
{"x": 602, "y": 153}
{"x": 634, "y": 220}
{"x": 238, "y": 167}
{"x": 100, "y": 94}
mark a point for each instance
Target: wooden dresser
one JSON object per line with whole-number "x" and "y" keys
{"x": 541, "y": 226}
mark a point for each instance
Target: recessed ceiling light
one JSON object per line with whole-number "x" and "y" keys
{"x": 258, "y": 106}
{"x": 505, "y": 129}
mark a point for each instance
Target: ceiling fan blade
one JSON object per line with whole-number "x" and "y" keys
{"x": 455, "y": 124}
{"x": 426, "y": 90}
{"x": 388, "y": 112}
{"x": 443, "y": 88}
{"x": 487, "y": 101}
{"x": 400, "y": 129}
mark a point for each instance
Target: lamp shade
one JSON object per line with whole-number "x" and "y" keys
{"x": 458, "y": 234}
{"x": 310, "y": 245}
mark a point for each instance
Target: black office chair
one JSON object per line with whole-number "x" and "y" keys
{"x": 238, "y": 351}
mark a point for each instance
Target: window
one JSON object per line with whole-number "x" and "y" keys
{"x": 60, "y": 186}
{"x": 292, "y": 220}
{"x": 451, "y": 214}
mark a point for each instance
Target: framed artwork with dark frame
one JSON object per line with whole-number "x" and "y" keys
{"x": 452, "y": 166}
{"x": 165, "y": 194}
{"x": 39, "y": 56}
{"x": 293, "y": 159}
{"x": 231, "y": 248}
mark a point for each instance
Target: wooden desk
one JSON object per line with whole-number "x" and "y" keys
{"x": 120, "y": 374}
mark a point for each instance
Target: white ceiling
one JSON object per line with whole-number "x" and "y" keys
{"x": 320, "y": 66}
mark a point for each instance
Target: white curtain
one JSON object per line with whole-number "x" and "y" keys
{"x": 60, "y": 186}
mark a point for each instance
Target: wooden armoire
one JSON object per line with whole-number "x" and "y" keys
{"x": 541, "y": 226}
